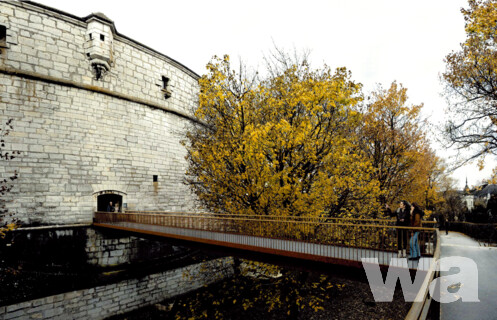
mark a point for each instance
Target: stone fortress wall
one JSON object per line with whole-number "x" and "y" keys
{"x": 94, "y": 112}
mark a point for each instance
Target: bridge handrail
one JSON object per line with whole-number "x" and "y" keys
{"x": 258, "y": 216}
{"x": 207, "y": 214}
{"x": 339, "y": 234}
{"x": 474, "y": 223}
{"x": 281, "y": 219}
{"x": 421, "y": 305}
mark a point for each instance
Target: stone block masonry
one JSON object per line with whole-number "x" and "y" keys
{"x": 92, "y": 115}
{"x": 79, "y": 246}
{"x": 121, "y": 297}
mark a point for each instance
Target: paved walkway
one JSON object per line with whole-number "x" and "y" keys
{"x": 457, "y": 244}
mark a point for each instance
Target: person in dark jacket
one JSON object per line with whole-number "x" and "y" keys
{"x": 444, "y": 223}
{"x": 403, "y": 220}
{"x": 416, "y": 215}
{"x": 110, "y": 207}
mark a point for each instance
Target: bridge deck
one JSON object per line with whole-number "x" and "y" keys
{"x": 289, "y": 248}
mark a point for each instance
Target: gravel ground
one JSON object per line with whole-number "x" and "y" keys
{"x": 347, "y": 299}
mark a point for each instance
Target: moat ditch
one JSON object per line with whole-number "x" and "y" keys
{"x": 39, "y": 263}
{"x": 240, "y": 298}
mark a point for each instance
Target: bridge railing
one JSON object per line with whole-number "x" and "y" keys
{"x": 381, "y": 221}
{"x": 374, "y": 234}
{"x": 357, "y": 233}
{"x": 483, "y": 232}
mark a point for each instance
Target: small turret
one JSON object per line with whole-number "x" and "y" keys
{"x": 99, "y": 43}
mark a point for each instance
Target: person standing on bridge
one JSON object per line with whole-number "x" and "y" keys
{"x": 403, "y": 220}
{"x": 416, "y": 214}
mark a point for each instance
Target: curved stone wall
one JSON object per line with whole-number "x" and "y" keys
{"x": 92, "y": 114}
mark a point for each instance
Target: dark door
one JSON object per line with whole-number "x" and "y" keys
{"x": 104, "y": 200}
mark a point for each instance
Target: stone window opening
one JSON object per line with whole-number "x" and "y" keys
{"x": 102, "y": 37}
{"x": 165, "y": 87}
{"x": 156, "y": 183}
{"x": 3, "y": 36}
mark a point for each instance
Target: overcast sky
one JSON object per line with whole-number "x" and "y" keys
{"x": 379, "y": 41}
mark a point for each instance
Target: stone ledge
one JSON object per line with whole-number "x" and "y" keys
{"x": 69, "y": 83}
{"x": 57, "y": 226}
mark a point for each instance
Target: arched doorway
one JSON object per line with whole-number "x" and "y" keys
{"x": 105, "y": 197}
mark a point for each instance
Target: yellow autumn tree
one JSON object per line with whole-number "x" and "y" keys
{"x": 284, "y": 145}
{"x": 393, "y": 137}
{"x": 428, "y": 175}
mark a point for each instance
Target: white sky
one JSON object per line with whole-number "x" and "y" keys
{"x": 379, "y": 41}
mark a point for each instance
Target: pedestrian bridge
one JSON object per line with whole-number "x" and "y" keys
{"x": 330, "y": 240}
{"x": 338, "y": 241}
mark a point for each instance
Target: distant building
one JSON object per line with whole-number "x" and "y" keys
{"x": 468, "y": 197}
{"x": 481, "y": 194}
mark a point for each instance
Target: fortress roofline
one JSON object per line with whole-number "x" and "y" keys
{"x": 103, "y": 17}
{"x": 99, "y": 15}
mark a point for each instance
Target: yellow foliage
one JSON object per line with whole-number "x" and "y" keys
{"x": 470, "y": 76}
{"x": 394, "y": 139}
{"x": 286, "y": 145}
{"x": 6, "y": 228}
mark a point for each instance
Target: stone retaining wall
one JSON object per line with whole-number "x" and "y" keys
{"x": 122, "y": 297}
{"x": 107, "y": 250}
{"x": 77, "y": 246}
